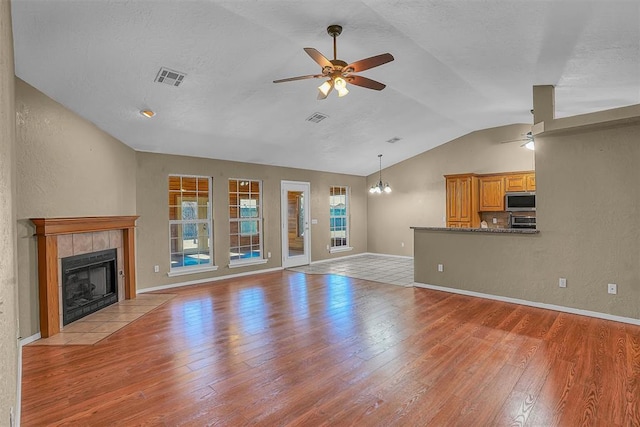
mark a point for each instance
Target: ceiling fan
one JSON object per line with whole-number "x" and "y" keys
{"x": 526, "y": 141}
{"x": 338, "y": 72}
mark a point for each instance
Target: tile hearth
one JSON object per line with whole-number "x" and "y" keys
{"x": 97, "y": 326}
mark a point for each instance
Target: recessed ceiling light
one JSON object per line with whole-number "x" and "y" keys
{"x": 147, "y": 113}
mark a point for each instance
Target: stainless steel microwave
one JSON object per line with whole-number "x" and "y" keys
{"x": 520, "y": 201}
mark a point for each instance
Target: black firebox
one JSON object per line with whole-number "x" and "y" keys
{"x": 89, "y": 283}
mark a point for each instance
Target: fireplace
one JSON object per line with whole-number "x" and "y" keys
{"x": 60, "y": 238}
{"x": 88, "y": 284}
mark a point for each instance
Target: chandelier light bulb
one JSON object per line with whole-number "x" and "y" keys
{"x": 380, "y": 187}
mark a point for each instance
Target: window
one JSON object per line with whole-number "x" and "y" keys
{"x": 190, "y": 223}
{"x": 245, "y": 221}
{"x": 339, "y": 217}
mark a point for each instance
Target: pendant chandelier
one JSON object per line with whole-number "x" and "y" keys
{"x": 380, "y": 187}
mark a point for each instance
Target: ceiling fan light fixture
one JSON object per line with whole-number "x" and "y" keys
{"x": 336, "y": 70}
{"x": 341, "y": 86}
{"x": 325, "y": 87}
{"x": 530, "y": 145}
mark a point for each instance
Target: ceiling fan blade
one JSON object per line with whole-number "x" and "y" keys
{"x": 318, "y": 57}
{"x": 365, "y": 64}
{"x": 526, "y": 137}
{"x": 291, "y": 79}
{"x": 365, "y": 82}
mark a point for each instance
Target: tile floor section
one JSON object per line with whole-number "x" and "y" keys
{"x": 377, "y": 268}
{"x": 94, "y": 327}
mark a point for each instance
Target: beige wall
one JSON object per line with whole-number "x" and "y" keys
{"x": 153, "y": 230}
{"x": 419, "y": 196}
{"x": 588, "y": 205}
{"x": 8, "y": 282}
{"x": 66, "y": 166}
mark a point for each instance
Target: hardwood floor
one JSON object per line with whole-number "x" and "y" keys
{"x": 293, "y": 349}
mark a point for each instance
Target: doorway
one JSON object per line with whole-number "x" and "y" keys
{"x": 296, "y": 234}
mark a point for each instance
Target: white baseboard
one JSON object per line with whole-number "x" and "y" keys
{"x": 209, "y": 279}
{"x": 359, "y": 255}
{"x": 21, "y": 343}
{"x": 29, "y": 340}
{"x": 389, "y": 255}
{"x": 338, "y": 258}
{"x": 553, "y": 307}
{"x": 16, "y": 415}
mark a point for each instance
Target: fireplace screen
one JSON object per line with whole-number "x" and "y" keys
{"x": 88, "y": 284}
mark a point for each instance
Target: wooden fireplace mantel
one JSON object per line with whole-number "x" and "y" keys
{"x": 47, "y": 232}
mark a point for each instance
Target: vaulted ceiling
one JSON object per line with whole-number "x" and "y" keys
{"x": 460, "y": 65}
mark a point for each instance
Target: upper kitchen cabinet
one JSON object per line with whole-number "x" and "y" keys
{"x": 525, "y": 181}
{"x": 492, "y": 188}
{"x": 531, "y": 181}
{"x": 462, "y": 201}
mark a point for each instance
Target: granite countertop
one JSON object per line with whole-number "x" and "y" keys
{"x": 481, "y": 230}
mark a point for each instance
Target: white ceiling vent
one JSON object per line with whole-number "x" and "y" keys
{"x": 393, "y": 140}
{"x": 170, "y": 77}
{"x": 316, "y": 117}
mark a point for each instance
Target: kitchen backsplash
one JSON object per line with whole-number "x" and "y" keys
{"x": 502, "y": 219}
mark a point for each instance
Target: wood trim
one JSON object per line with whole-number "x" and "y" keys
{"x": 51, "y": 226}
{"x": 128, "y": 254}
{"x": 48, "y": 285}
{"x": 47, "y": 231}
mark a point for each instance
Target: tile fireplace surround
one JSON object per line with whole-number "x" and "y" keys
{"x": 54, "y": 236}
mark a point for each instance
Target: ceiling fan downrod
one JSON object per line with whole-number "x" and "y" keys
{"x": 334, "y": 31}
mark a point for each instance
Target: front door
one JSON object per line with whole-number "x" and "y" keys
{"x": 295, "y": 223}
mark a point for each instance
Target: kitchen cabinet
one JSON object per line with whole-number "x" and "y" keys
{"x": 462, "y": 201}
{"x": 520, "y": 182}
{"x": 492, "y": 190}
{"x": 531, "y": 181}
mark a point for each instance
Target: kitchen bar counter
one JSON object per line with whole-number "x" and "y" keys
{"x": 480, "y": 230}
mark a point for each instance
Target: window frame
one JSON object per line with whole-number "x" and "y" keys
{"x": 206, "y": 222}
{"x": 346, "y": 217}
{"x": 240, "y": 220}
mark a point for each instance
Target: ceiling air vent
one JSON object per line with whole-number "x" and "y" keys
{"x": 393, "y": 140}
{"x": 316, "y": 117}
{"x": 170, "y": 77}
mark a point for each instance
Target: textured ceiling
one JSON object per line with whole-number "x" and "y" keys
{"x": 459, "y": 66}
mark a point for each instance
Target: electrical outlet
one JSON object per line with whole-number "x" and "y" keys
{"x": 440, "y": 268}
{"x": 328, "y": 247}
{"x": 612, "y": 288}
{"x": 495, "y": 220}
{"x": 562, "y": 282}
{"x": 156, "y": 269}
{"x": 268, "y": 254}
{"x": 402, "y": 244}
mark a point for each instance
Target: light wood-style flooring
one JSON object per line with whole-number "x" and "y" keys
{"x": 287, "y": 348}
